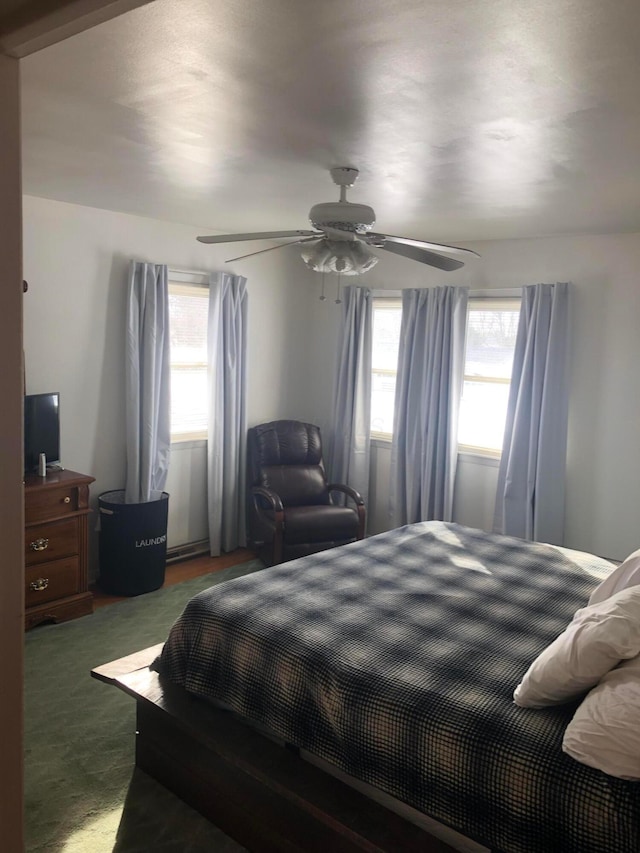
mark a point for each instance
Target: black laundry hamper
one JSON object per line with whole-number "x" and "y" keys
{"x": 132, "y": 543}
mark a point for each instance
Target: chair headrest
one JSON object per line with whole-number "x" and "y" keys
{"x": 287, "y": 443}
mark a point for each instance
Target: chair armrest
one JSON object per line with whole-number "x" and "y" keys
{"x": 348, "y": 491}
{"x": 273, "y": 523}
{"x": 358, "y": 500}
{"x": 272, "y": 497}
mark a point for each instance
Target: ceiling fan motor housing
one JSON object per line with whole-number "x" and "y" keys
{"x": 342, "y": 216}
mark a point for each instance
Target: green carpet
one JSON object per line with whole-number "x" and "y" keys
{"x": 81, "y": 792}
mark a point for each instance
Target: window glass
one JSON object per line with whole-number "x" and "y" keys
{"x": 492, "y": 326}
{"x": 387, "y": 316}
{"x": 188, "y": 307}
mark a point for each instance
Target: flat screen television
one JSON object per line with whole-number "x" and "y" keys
{"x": 41, "y": 429}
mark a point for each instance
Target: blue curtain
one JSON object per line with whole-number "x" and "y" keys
{"x": 350, "y": 446}
{"x": 148, "y": 427}
{"x": 427, "y": 402}
{"x": 227, "y": 366}
{"x": 531, "y": 478}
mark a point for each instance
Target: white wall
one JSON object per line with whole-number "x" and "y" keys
{"x": 76, "y": 258}
{"x": 603, "y": 465}
{"x": 76, "y": 261}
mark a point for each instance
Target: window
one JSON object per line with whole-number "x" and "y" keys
{"x": 492, "y": 325}
{"x": 188, "y": 309}
{"x": 386, "y": 318}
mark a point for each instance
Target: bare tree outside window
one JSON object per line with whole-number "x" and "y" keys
{"x": 492, "y": 326}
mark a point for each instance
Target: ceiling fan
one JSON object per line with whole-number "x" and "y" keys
{"x": 342, "y": 232}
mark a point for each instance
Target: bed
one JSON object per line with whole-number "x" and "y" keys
{"x": 393, "y": 662}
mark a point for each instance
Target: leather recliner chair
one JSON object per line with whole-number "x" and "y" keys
{"x": 290, "y": 512}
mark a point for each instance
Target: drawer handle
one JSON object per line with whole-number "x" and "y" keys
{"x": 39, "y": 544}
{"x": 39, "y": 585}
{"x": 67, "y": 500}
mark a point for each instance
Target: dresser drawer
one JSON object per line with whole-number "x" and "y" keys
{"x": 51, "y": 580}
{"x": 56, "y": 511}
{"x": 52, "y": 502}
{"x": 44, "y": 542}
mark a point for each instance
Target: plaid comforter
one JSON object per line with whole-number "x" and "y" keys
{"x": 395, "y": 659}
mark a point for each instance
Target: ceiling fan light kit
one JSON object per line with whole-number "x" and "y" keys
{"x": 342, "y": 232}
{"x": 345, "y": 257}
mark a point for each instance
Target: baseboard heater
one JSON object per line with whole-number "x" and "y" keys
{"x": 189, "y": 549}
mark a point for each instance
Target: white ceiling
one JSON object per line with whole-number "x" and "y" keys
{"x": 468, "y": 119}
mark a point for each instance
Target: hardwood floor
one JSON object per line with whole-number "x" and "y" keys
{"x": 182, "y": 571}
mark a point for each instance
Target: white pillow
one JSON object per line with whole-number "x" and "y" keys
{"x": 598, "y": 637}
{"x": 627, "y": 574}
{"x": 605, "y": 730}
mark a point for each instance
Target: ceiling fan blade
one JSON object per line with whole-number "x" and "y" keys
{"x": 271, "y": 248}
{"x": 371, "y": 237}
{"x": 423, "y": 256}
{"x": 259, "y": 235}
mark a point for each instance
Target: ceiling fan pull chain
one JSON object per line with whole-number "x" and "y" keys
{"x": 338, "y": 300}
{"x": 322, "y": 296}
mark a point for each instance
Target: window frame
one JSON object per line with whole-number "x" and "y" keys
{"x": 507, "y": 300}
{"x": 194, "y": 284}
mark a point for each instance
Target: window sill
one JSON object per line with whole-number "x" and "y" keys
{"x": 378, "y": 441}
{"x": 476, "y": 457}
{"x": 187, "y": 443}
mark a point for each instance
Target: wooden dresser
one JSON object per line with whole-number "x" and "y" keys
{"x": 56, "y": 509}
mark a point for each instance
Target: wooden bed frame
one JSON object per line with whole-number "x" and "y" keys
{"x": 258, "y": 792}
